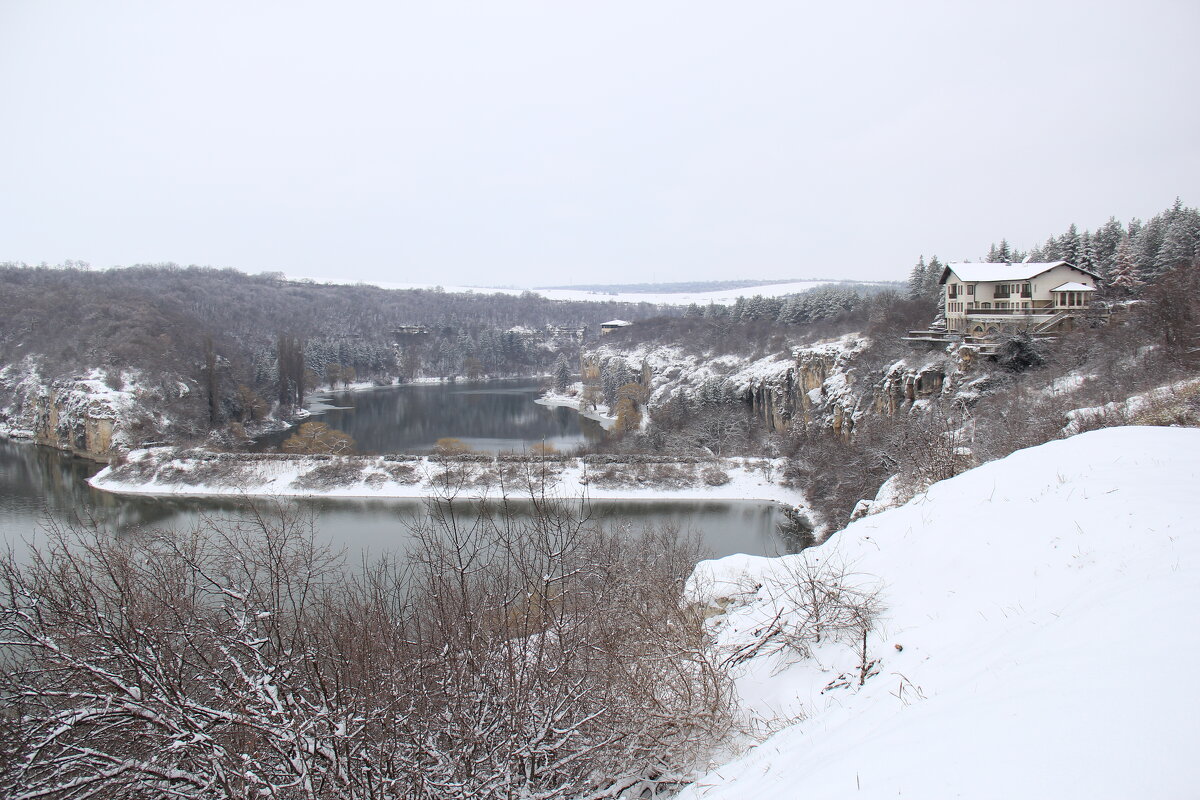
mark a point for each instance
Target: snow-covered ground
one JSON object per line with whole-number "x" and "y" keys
{"x": 162, "y": 472}
{"x": 1136, "y": 408}
{"x": 1037, "y": 638}
{"x": 600, "y": 413}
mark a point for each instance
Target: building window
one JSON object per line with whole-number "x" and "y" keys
{"x": 971, "y": 290}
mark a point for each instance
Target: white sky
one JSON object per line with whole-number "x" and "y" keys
{"x": 526, "y": 143}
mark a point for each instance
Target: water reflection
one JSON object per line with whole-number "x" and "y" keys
{"x": 38, "y": 485}
{"x": 490, "y": 417}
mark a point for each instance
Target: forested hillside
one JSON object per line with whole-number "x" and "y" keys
{"x": 207, "y": 347}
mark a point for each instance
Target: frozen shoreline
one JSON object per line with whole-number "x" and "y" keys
{"x": 163, "y": 473}
{"x": 553, "y": 399}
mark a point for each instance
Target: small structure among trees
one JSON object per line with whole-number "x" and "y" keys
{"x": 613, "y": 325}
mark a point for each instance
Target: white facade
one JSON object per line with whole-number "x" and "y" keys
{"x": 986, "y": 298}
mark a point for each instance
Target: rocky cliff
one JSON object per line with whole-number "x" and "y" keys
{"x": 830, "y": 383}
{"x": 96, "y": 415}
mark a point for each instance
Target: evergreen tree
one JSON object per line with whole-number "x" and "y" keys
{"x": 562, "y": 373}
{"x": 933, "y": 278}
{"x": 916, "y": 280}
{"x": 1068, "y": 245}
{"x": 1051, "y": 251}
{"x": 1146, "y": 245}
{"x": 1105, "y": 243}
{"x": 1083, "y": 257}
{"x": 1001, "y": 254}
{"x": 1123, "y": 277}
{"x": 1178, "y": 245}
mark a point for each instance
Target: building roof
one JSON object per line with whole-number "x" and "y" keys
{"x": 615, "y": 323}
{"x": 1074, "y": 287}
{"x": 989, "y": 272}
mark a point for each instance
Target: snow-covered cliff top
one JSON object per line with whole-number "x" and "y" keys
{"x": 1038, "y": 629}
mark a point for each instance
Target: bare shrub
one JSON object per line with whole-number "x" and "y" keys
{"x": 317, "y": 437}
{"x": 817, "y": 602}
{"x": 675, "y": 476}
{"x": 509, "y": 656}
{"x": 930, "y": 446}
{"x": 330, "y": 475}
{"x": 221, "y": 473}
{"x": 402, "y": 473}
{"x": 610, "y": 476}
{"x": 715, "y": 476}
{"x": 449, "y": 446}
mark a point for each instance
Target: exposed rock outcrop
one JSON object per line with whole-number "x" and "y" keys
{"x": 97, "y": 415}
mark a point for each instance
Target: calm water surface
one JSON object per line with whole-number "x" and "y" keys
{"x": 39, "y": 485}
{"x": 489, "y": 417}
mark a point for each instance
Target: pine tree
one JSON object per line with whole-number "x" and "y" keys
{"x": 1001, "y": 254}
{"x": 1084, "y": 258}
{"x": 1068, "y": 244}
{"x": 562, "y": 373}
{"x": 1105, "y": 243}
{"x": 1146, "y": 245}
{"x": 933, "y": 278}
{"x": 916, "y": 280}
{"x": 1178, "y": 245}
{"x": 1123, "y": 277}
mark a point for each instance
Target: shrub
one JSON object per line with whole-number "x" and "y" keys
{"x": 330, "y": 475}
{"x": 714, "y": 476}
{"x": 413, "y": 674}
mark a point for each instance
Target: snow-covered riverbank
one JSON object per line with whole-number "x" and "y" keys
{"x": 1037, "y": 619}
{"x": 600, "y": 413}
{"x": 165, "y": 472}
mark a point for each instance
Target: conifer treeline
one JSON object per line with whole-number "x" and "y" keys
{"x": 1127, "y": 257}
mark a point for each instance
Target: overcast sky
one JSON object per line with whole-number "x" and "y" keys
{"x": 533, "y": 143}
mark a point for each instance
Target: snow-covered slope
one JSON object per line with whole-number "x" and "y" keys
{"x": 1038, "y": 640}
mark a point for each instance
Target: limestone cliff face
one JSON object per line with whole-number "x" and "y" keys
{"x": 831, "y": 387}
{"x": 96, "y": 415}
{"x": 61, "y": 420}
{"x": 832, "y": 384}
{"x": 903, "y": 384}
{"x": 805, "y": 392}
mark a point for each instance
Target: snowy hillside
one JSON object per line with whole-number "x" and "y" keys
{"x": 1036, "y": 637}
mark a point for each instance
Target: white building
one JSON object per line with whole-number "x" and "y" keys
{"x": 987, "y": 298}
{"x": 613, "y": 325}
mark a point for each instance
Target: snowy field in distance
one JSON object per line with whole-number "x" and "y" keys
{"x": 723, "y": 297}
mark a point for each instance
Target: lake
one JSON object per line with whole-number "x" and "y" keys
{"x": 488, "y": 417}
{"x": 39, "y": 484}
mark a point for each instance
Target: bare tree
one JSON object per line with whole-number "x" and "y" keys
{"x": 512, "y": 655}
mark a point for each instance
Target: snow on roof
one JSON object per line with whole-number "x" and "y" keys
{"x": 1074, "y": 287}
{"x": 988, "y": 271}
{"x": 615, "y": 323}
